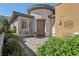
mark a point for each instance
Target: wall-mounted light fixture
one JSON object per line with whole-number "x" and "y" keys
{"x": 60, "y": 22}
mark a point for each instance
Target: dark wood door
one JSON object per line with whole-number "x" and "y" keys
{"x": 41, "y": 27}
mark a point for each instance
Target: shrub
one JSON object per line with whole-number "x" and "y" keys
{"x": 1, "y": 26}
{"x": 11, "y": 31}
{"x": 11, "y": 35}
{"x": 66, "y": 46}
{"x": 12, "y": 46}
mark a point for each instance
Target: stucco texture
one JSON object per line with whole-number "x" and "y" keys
{"x": 67, "y": 19}
{"x": 42, "y": 14}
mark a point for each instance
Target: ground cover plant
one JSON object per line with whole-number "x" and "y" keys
{"x": 66, "y": 46}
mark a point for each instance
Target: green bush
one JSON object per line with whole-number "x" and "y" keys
{"x": 66, "y": 46}
{"x": 1, "y": 22}
{"x": 11, "y": 31}
{"x": 12, "y": 46}
{"x": 11, "y": 35}
{"x": 1, "y": 25}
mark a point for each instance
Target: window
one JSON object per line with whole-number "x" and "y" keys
{"x": 23, "y": 24}
{"x": 26, "y": 25}
{"x": 14, "y": 28}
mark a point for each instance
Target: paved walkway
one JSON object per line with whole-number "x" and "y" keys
{"x": 32, "y": 43}
{"x": 1, "y": 41}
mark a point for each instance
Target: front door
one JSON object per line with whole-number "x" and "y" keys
{"x": 41, "y": 27}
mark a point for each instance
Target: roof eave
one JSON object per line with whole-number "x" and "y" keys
{"x": 16, "y": 14}
{"x": 51, "y": 16}
{"x": 40, "y": 7}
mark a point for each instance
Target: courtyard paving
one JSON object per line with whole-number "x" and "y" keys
{"x": 33, "y": 42}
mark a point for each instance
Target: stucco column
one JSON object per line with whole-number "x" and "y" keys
{"x": 50, "y": 24}
{"x": 19, "y": 29}
{"x": 48, "y": 28}
{"x": 35, "y": 25}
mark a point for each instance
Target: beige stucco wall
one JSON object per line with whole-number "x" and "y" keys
{"x": 15, "y": 23}
{"x": 18, "y": 24}
{"x": 65, "y": 12}
{"x": 43, "y": 14}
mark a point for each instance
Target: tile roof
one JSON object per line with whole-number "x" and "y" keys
{"x": 40, "y": 6}
{"x": 16, "y": 14}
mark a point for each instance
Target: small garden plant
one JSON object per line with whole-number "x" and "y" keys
{"x": 66, "y": 46}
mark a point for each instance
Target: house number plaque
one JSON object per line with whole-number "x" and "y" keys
{"x": 68, "y": 24}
